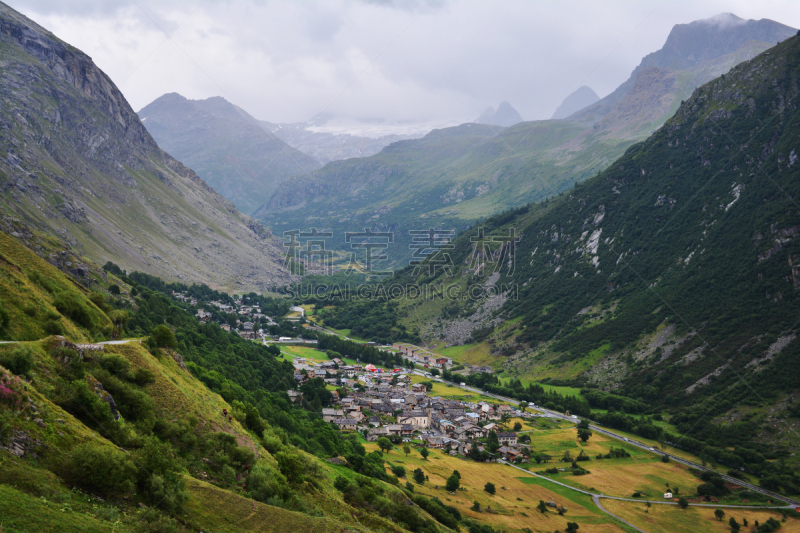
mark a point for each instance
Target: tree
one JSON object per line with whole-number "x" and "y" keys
{"x": 683, "y": 503}
{"x": 583, "y": 424}
{"x": 584, "y": 434}
{"x": 164, "y": 337}
{"x": 542, "y": 507}
{"x": 406, "y": 449}
{"x": 647, "y": 505}
{"x": 476, "y": 507}
{"x": 457, "y": 473}
{"x": 419, "y": 476}
{"x": 523, "y": 406}
{"x": 492, "y": 442}
{"x": 434, "y": 371}
{"x": 424, "y": 453}
{"x": 452, "y": 483}
{"x": 489, "y": 487}
{"x": 409, "y": 486}
{"x": 572, "y": 527}
{"x": 517, "y": 426}
{"x": 385, "y": 444}
{"x": 399, "y": 471}
{"x": 734, "y": 524}
{"x": 474, "y": 452}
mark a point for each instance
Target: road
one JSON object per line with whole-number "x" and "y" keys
{"x": 554, "y": 414}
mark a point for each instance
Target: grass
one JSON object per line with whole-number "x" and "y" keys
{"x": 672, "y": 519}
{"x": 508, "y": 512}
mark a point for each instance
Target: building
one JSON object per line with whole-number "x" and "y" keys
{"x": 346, "y": 424}
{"x": 507, "y": 438}
{"x": 294, "y": 395}
{"x": 329, "y": 415}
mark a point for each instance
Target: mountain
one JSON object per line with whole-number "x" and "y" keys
{"x": 693, "y": 54}
{"x": 229, "y": 149}
{"x": 455, "y": 176}
{"x": 77, "y": 163}
{"x": 505, "y": 115}
{"x": 582, "y": 96}
{"x": 670, "y": 279}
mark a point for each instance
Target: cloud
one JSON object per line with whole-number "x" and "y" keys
{"x": 390, "y": 60}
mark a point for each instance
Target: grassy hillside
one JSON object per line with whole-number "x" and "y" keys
{"x": 182, "y": 428}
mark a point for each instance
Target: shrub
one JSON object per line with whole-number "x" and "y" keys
{"x": 265, "y": 483}
{"x": 19, "y": 360}
{"x": 490, "y": 488}
{"x": 53, "y": 327}
{"x": 399, "y": 471}
{"x": 72, "y": 366}
{"x": 5, "y": 320}
{"x": 164, "y": 337}
{"x": 114, "y": 289}
{"x": 69, "y": 305}
{"x": 99, "y": 469}
{"x": 142, "y": 376}
{"x": 116, "y": 364}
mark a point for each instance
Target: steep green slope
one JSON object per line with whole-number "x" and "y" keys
{"x": 146, "y": 434}
{"x": 670, "y": 278}
{"x": 453, "y": 177}
{"x": 230, "y": 150}
{"x": 76, "y": 163}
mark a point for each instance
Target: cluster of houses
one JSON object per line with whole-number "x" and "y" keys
{"x": 248, "y": 324}
{"x": 431, "y": 360}
{"x": 386, "y": 410}
{"x": 422, "y": 356}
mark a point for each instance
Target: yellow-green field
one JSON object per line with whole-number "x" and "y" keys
{"x": 642, "y": 472}
{"x": 673, "y": 519}
{"x": 513, "y": 507}
{"x": 472, "y": 354}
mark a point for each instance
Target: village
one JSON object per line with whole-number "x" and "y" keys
{"x": 385, "y": 403}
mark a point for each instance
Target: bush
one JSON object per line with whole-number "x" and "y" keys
{"x": 5, "y": 320}
{"x": 399, "y": 471}
{"x": 265, "y": 483}
{"x": 53, "y": 327}
{"x": 490, "y": 488}
{"x": 19, "y": 360}
{"x": 69, "y": 305}
{"x": 164, "y": 337}
{"x": 116, "y": 364}
{"x": 99, "y": 469}
{"x": 114, "y": 289}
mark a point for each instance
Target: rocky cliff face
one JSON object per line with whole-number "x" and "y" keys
{"x": 76, "y": 162}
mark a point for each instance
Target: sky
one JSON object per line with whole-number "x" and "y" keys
{"x": 433, "y": 62}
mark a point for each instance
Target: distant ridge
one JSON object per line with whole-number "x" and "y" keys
{"x": 583, "y": 96}
{"x": 505, "y": 115}
{"x": 238, "y": 156}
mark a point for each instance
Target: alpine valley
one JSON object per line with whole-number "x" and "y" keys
{"x": 607, "y": 342}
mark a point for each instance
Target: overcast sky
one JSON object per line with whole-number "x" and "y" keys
{"x": 404, "y": 60}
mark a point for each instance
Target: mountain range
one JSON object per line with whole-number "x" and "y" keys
{"x": 78, "y": 164}
{"x": 671, "y": 278}
{"x": 456, "y": 175}
{"x": 230, "y": 150}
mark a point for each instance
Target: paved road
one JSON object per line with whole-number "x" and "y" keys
{"x": 599, "y": 505}
{"x": 790, "y": 503}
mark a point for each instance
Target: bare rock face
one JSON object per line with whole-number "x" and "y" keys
{"x": 77, "y": 163}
